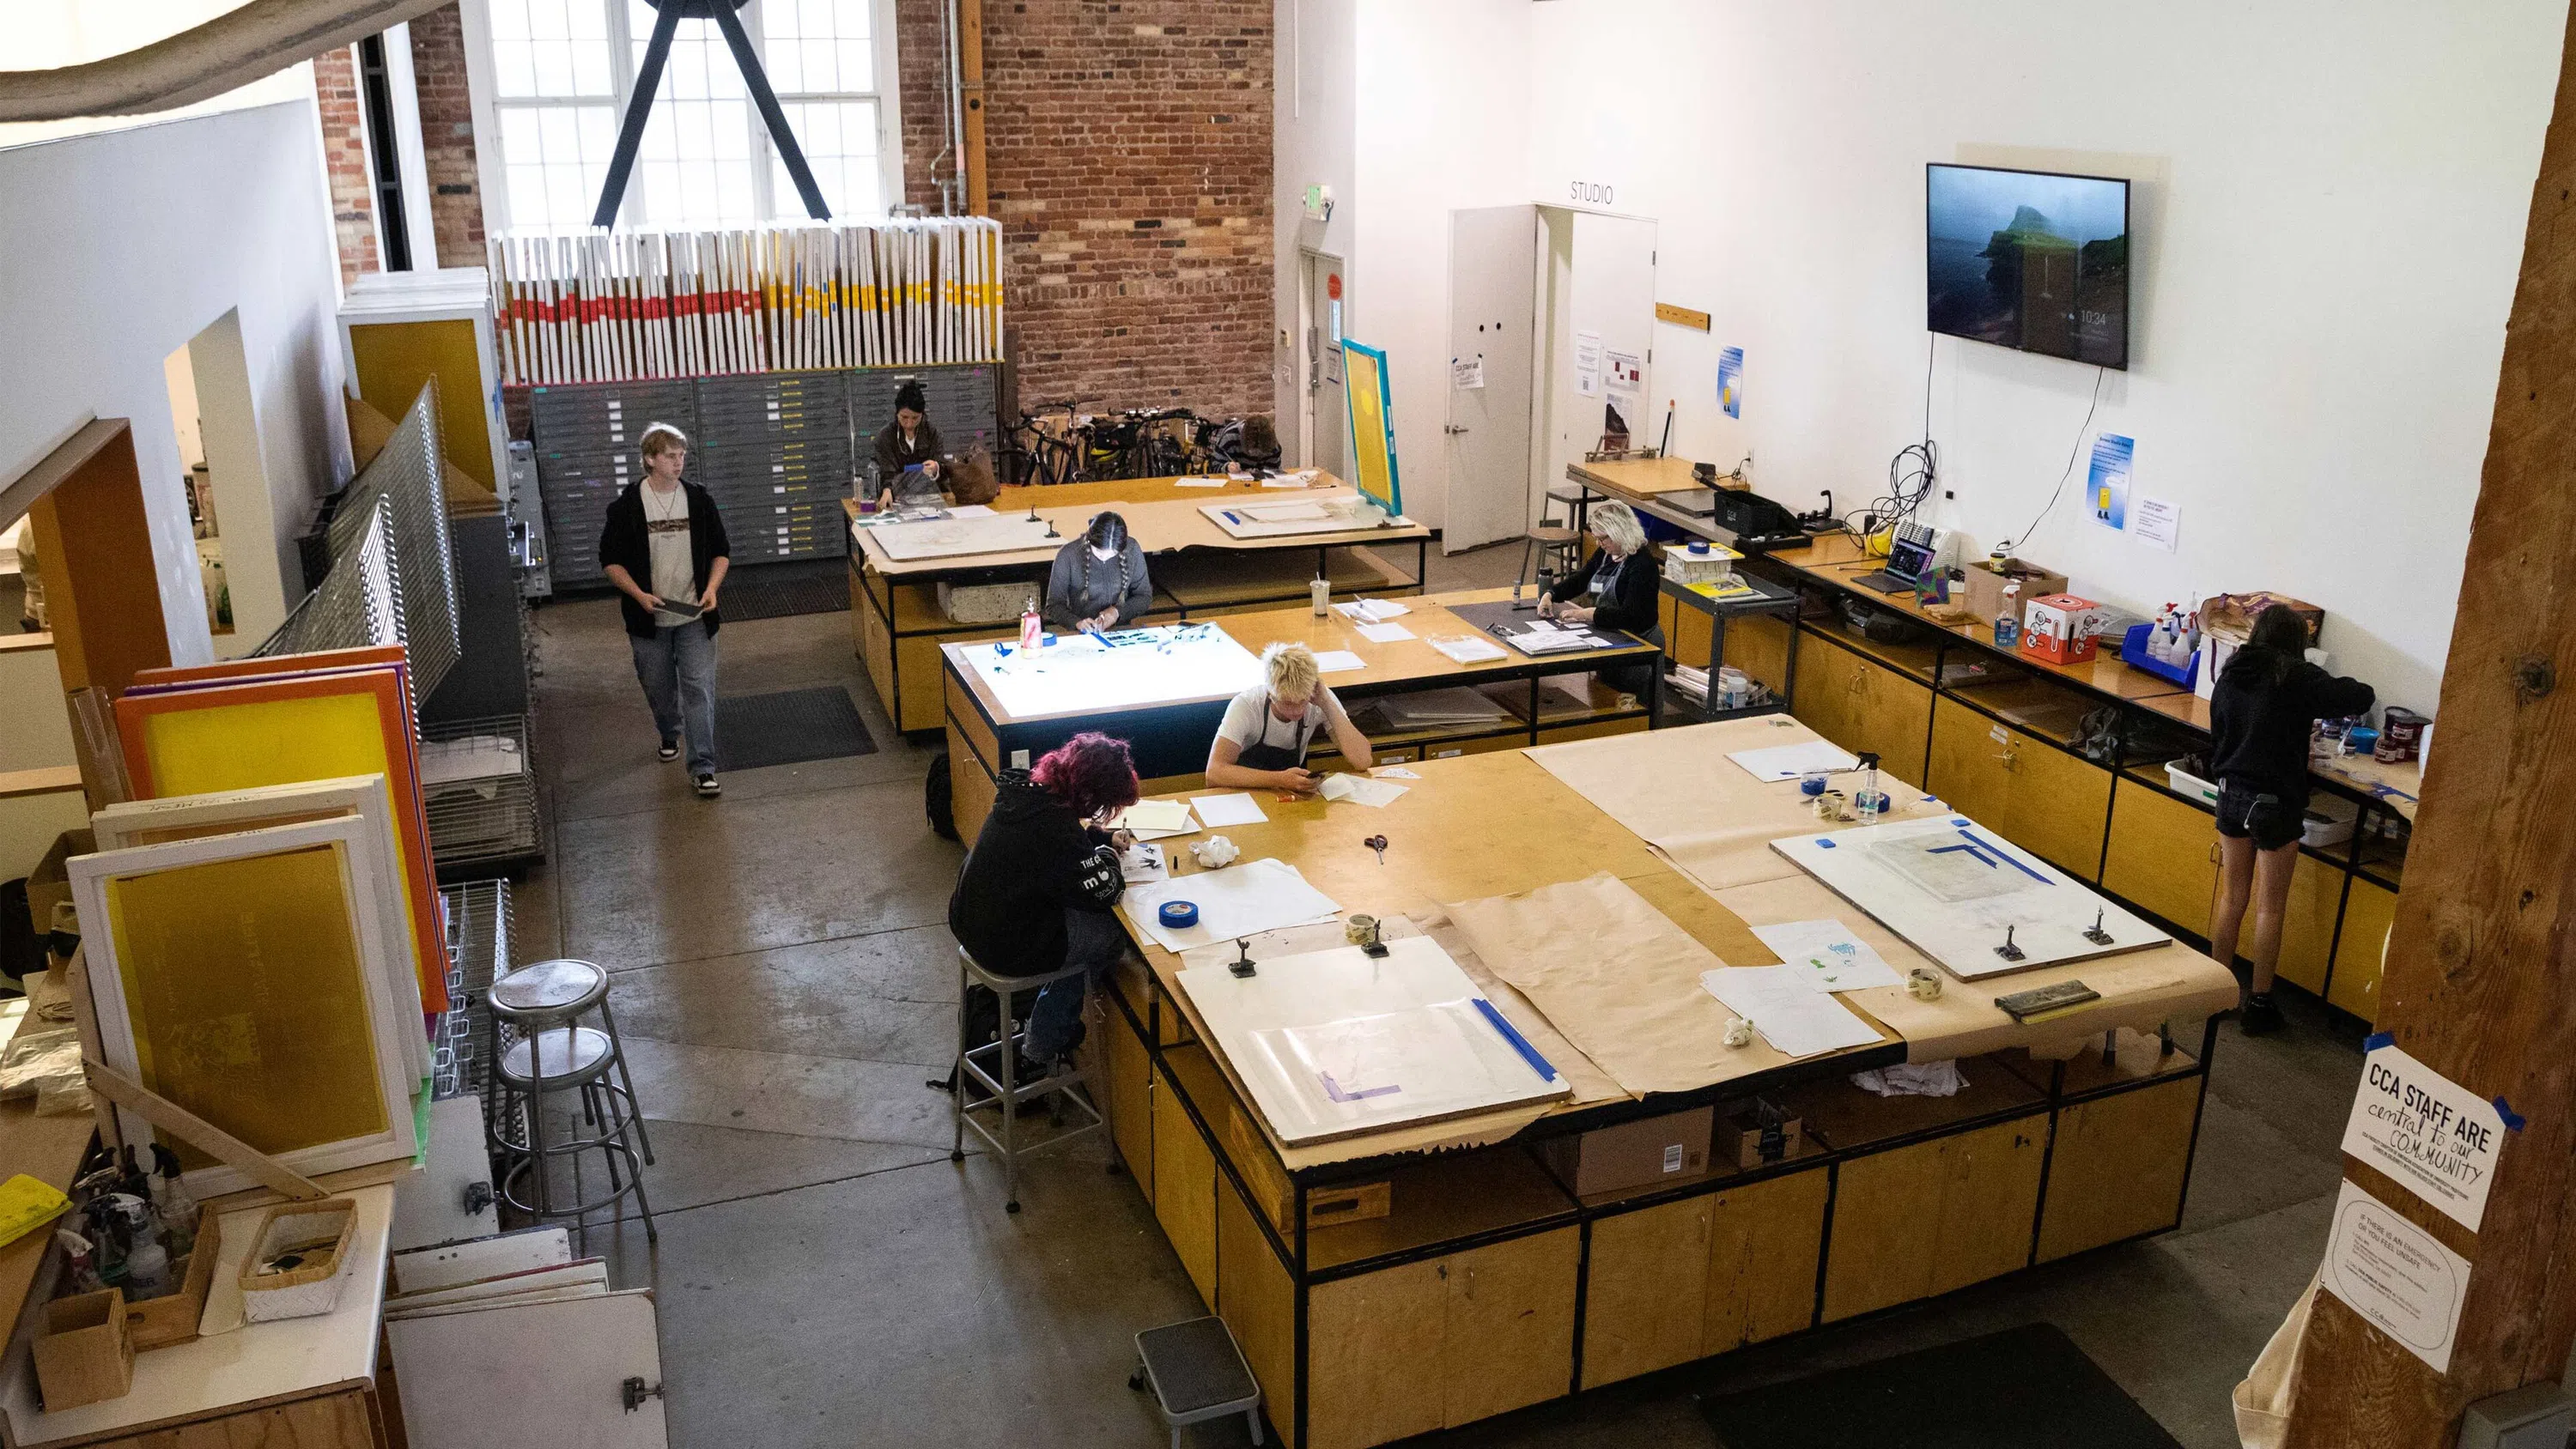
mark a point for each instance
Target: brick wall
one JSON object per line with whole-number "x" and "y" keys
{"x": 344, "y": 157}
{"x": 447, "y": 136}
{"x": 1128, "y": 147}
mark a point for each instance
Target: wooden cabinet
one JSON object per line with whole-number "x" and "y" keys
{"x": 2021, "y": 786}
{"x": 1916, "y": 1222}
{"x": 1131, "y": 1101}
{"x": 2367, "y": 913}
{"x": 2308, "y": 924}
{"x": 1259, "y": 1303}
{"x": 1440, "y": 1343}
{"x": 2118, "y": 1167}
{"x": 1862, "y": 705}
{"x": 1185, "y": 1187}
{"x": 339, "y": 1421}
{"x": 1642, "y": 1309}
{"x": 2162, "y": 855}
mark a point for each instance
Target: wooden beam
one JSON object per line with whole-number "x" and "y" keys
{"x": 970, "y": 70}
{"x": 48, "y": 780}
{"x": 2481, "y": 975}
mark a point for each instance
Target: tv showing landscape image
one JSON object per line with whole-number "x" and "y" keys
{"x": 2029, "y": 259}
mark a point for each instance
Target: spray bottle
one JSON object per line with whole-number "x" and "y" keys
{"x": 171, "y": 1198}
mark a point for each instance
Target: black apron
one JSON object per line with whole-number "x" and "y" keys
{"x": 1602, "y": 579}
{"x": 1263, "y": 755}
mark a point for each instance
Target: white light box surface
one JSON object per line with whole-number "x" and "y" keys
{"x": 1091, "y": 673}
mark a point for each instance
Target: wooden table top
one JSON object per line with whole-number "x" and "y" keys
{"x": 48, "y": 1149}
{"x": 1161, "y": 526}
{"x": 1404, "y": 661}
{"x": 1646, "y": 477}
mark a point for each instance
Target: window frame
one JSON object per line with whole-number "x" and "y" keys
{"x": 774, "y": 202}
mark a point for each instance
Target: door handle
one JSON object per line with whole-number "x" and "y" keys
{"x": 1452, "y": 429}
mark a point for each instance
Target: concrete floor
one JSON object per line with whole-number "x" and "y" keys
{"x": 826, "y": 1277}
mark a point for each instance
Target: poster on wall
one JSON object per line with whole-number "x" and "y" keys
{"x": 1467, "y": 373}
{"x": 2156, "y": 522}
{"x": 2395, "y": 1274}
{"x": 1730, "y": 381}
{"x": 1587, "y": 363}
{"x": 2110, "y": 479}
{"x": 2427, "y": 1133}
{"x": 1624, "y": 412}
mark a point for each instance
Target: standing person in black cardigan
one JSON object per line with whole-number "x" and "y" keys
{"x": 2262, "y": 712}
{"x": 663, "y": 545}
{"x": 904, "y": 445}
{"x": 1619, "y": 586}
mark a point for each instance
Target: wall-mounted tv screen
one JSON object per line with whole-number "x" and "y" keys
{"x": 2029, "y": 259}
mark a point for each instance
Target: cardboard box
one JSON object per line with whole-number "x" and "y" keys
{"x": 1985, "y": 588}
{"x": 86, "y": 1356}
{"x": 51, "y": 880}
{"x": 2227, "y": 620}
{"x": 2060, "y": 628}
{"x": 1633, "y": 1154}
{"x": 1743, "y": 1140}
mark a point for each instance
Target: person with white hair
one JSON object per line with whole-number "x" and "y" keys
{"x": 1619, "y": 585}
{"x": 1261, "y": 743}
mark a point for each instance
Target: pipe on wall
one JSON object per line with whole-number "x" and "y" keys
{"x": 260, "y": 38}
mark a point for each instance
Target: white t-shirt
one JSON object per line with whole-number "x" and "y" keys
{"x": 1249, "y": 715}
{"x": 666, "y": 525}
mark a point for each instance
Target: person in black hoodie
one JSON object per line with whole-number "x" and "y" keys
{"x": 1036, "y": 892}
{"x": 663, "y": 544}
{"x": 1620, "y": 585}
{"x": 2262, "y": 713}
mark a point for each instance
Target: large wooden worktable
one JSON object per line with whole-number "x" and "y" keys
{"x": 1488, "y": 1280}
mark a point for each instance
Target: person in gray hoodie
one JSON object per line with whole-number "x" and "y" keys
{"x": 1098, "y": 581}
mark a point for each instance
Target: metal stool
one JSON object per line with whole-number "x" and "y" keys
{"x": 553, "y": 1053}
{"x": 1577, "y": 500}
{"x": 1197, "y": 1372}
{"x": 1005, "y": 1100}
{"x": 1559, "y": 551}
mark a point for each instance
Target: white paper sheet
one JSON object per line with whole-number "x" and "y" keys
{"x": 1373, "y": 611}
{"x": 1339, "y": 661}
{"x": 1468, "y": 649}
{"x": 1360, "y": 790}
{"x": 1788, "y": 762}
{"x": 1385, "y": 633}
{"x": 1394, "y": 772}
{"x": 1145, "y": 817}
{"x": 1833, "y": 958}
{"x": 971, "y": 510}
{"x": 1217, "y": 811}
{"x": 1795, "y": 1018}
{"x": 1241, "y": 900}
{"x": 1204, "y": 482}
{"x": 1143, "y": 863}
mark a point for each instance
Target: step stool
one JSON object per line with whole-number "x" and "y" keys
{"x": 1196, "y": 1373}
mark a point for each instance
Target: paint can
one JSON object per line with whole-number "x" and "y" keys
{"x": 2401, "y": 734}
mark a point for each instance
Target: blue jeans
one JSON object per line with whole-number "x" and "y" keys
{"x": 678, "y": 668}
{"x": 1094, "y": 941}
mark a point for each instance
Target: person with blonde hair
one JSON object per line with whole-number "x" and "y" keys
{"x": 1619, "y": 585}
{"x": 1261, "y": 743}
{"x": 663, "y": 545}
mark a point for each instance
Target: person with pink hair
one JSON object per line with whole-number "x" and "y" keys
{"x": 1038, "y": 888}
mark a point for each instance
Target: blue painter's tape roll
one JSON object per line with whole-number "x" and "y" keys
{"x": 1178, "y": 914}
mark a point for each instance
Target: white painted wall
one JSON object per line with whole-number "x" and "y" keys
{"x": 1312, "y": 118}
{"x": 120, "y": 246}
{"x": 2329, "y": 221}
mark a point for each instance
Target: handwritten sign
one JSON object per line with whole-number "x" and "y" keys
{"x": 2432, "y": 1136}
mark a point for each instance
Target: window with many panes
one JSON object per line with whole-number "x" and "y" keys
{"x": 558, "y": 74}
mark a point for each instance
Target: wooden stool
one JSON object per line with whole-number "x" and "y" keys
{"x": 1561, "y": 547}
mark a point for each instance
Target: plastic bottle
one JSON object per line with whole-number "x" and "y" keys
{"x": 171, "y": 1198}
{"x": 1030, "y": 624}
{"x": 77, "y": 1267}
{"x": 1321, "y": 592}
{"x": 2008, "y": 619}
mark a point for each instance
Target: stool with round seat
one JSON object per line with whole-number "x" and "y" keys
{"x": 994, "y": 1068}
{"x": 541, "y": 1049}
{"x": 1559, "y": 552}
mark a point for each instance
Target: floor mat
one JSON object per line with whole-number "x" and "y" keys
{"x": 2023, "y": 1388}
{"x": 754, "y": 731}
{"x": 777, "y": 590}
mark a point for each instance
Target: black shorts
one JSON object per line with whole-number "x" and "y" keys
{"x": 2270, "y": 821}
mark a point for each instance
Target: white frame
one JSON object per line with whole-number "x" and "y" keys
{"x": 491, "y": 174}
{"x": 367, "y": 797}
{"x": 359, "y": 872}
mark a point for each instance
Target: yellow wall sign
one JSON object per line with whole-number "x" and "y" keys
{"x": 1371, "y": 407}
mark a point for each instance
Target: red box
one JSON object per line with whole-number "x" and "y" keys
{"x": 2060, "y": 628}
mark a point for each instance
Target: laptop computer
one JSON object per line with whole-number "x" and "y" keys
{"x": 1909, "y": 557}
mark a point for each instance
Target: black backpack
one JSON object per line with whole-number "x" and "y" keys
{"x": 22, "y": 951}
{"x": 937, "y": 797}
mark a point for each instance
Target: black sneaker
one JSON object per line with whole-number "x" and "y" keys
{"x": 2260, "y": 1016}
{"x": 708, "y": 789}
{"x": 670, "y": 751}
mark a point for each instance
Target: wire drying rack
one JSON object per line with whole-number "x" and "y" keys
{"x": 478, "y": 951}
{"x": 479, "y": 788}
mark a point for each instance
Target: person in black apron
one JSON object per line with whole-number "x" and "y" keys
{"x": 1262, "y": 741}
{"x": 1619, "y": 585}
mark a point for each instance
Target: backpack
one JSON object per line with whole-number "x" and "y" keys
{"x": 22, "y": 951}
{"x": 937, "y": 794}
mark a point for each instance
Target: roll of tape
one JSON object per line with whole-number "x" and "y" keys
{"x": 1178, "y": 914}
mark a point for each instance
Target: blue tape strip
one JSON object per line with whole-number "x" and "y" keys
{"x": 2512, "y": 1119}
{"x": 1519, "y": 1043}
{"x": 2378, "y": 1039}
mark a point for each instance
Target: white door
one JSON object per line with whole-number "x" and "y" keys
{"x": 1493, "y": 267}
{"x": 1602, "y": 321}
{"x": 551, "y": 1374}
{"x": 1325, "y": 435}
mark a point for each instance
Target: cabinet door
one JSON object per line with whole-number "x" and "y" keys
{"x": 1259, "y": 1304}
{"x": 2163, "y": 854}
{"x": 1989, "y": 1201}
{"x": 1131, "y": 1099}
{"x": 2367, "y": 913}
{"x": 1185, "y": 1188}
{"x": 2308, "y": 923}
{"x": 1510, "y": 1335}
{"x": 1372, "y": 1345}
{"x": 1764, "y": 1241}
{"x": 1896, "y": 712}
{"x": 2037, "y": 796}
{"x": 1921, "y": 1220}
{"x": 1829, "y": 685}
{"x": 2118, "y": 1167}
{"x": 1643, "y": 1305}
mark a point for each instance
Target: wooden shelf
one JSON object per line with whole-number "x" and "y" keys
{"x": 2033, "y": 705}
{"x": 1438, "y": 1199}
{"x": 1847, "y": 1117}
{"x": 2139, "y": 1060}
{"x": 1915, "y": 661}
{"x": 1809, "y": 1150}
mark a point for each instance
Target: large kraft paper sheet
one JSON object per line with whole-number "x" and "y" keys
{"x": 2140, "y": 990}
{"x": 1678, "y": 791}
{"x": 1618, "y": 979}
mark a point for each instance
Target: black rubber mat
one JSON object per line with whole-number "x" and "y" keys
{"x": 777, "y": 590}
{"x": 2023, "y": 1388}
{"x": 754, "y": 731}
